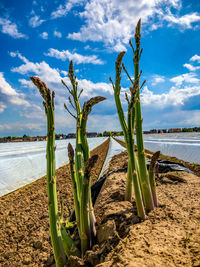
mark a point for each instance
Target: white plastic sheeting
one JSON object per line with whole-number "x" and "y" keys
{"x": 185, "y": 146}
{"x": 24, "y": 162}
{"x": 114, "y": 149}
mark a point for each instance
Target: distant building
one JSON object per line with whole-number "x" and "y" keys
{"x": 71, "y": 135}
{"x": 59, "y": 137}
{"x": 175, "y": 130}
{"x": 153, "y": 131}
{"x": 32, "y": 139}
{"x": 146, "y": 132}
{"x": 91, "y": 134}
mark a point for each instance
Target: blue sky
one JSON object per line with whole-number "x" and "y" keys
{"x": 41, "y": 37}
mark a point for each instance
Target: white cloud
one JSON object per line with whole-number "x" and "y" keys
{"x": 185, "y": 78}
{"x": 2, "y": 106}
{"x": 176, "y": 96}
{"x": 191, "y": 67}
{"x": 33, "y": 112}
{"x": 42, "y": 69}
{"x": 10, "y": 96}
{"x": 171, "y": 119}
{"x": 20, "y": 126}
{"x": 186, "y": 116}
{"x": 17, "y": 54}
{"x": 64, "y": 72}
{"x": 77, "y": 58}
{"x": 35, "y": 21}
{"x": 26, "y": 84}
{"x": 185, "y": 21}
{"x": 158, "y": 79}
{"x": 103, "y": 122}
{"x": 57, "y": 34}
{"x": 44, "y": 35}
{"x": 52, "y": 77}
{"x": 62, "y": 10}
{"x": 11, "y": 29}
{"x": 113, "y": 21}
{"x": 87, "y": 47}
{"x": 195, "y": 58}
{"x": 90, "y": 88}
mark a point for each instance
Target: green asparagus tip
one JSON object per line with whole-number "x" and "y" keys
{"x": 71, "y": 69}
{"x": 87, "y": 106}
{"x": 70, "y": 152}
{"x": 120, "y": 57}
{"x": 43, "y": 89}
{"x": 138, "y": 27}
{"x": 155, "y": 156}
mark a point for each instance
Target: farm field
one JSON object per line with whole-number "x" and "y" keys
{"x": 166, "y": 238}
{"x": 100, "y": 133}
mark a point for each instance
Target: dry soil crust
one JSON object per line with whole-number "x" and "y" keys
{"x": 24, "y": 223}
{"x": 169, "y": 237}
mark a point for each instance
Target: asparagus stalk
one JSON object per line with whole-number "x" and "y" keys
{"x": 56, "y": 240}
{"x": 117, "y": 88}
{"x": 67, "y": 241}
{"x": 136, "y": 182}
{"x": 68, "y": 244}
{"x": 75, "y": 193}
{"x": 78, "y": 151}
{"x": 145, "y": 184}
{"x": 87, "y": 108}
{"x": 152, "y": 176}
{"x": 132, "y": 177}
{"x": 82, "y": 197}
{"x": 86, "y": 238}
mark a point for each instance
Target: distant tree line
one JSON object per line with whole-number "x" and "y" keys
{"x": 27, "y": 138}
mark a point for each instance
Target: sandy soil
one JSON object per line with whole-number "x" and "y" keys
{"x": 169, "y": 237}
{"x": 24, "y": 224}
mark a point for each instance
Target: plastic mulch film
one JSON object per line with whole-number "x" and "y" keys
{"x": 24, "y": 162}
{"x": 181, "y": 147}
{"x": 114, "y": 149}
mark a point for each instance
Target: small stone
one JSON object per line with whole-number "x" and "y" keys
{"x": 76, "y": 262}
{"x": 107, "y": 231}
{"x": 37, "y": 245}
{"x": 10, "y": 213}
{"x": 27, "y": 260}
{"x": 92, "y": 257}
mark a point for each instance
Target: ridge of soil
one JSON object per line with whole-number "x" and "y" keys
{"x": 24, "y": 223}
{"x": 169, "y": 237}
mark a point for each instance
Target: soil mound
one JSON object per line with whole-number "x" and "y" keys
{"x": 24, "y": 223}
{"x": 169, "y": 237}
